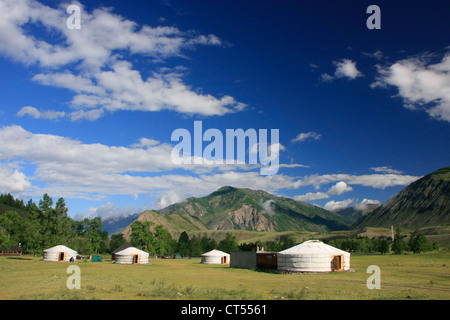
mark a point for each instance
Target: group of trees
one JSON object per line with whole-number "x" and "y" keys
{"x": 276, "y": 246}
{"x": 156, "y": 240}
{"x": 43, "y": 225}
{"x": 417, "y": 243}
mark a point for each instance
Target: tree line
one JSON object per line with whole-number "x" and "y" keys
{"x": 46, "y": 224}
{"x": 417, "y": 243}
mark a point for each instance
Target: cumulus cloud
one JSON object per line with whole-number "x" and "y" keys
{"x": 365, "y": 204}
{"x": 12, "y": 180}
{"x": 345, "y": 68}
{"x": 336, "y": 205}
{"x": 94, "y": 62}
{"x": 421, "y": 84}
{"x": 169, "y": 197}
{"x": 108, "y": 210}
{"x": 337, "y": 189}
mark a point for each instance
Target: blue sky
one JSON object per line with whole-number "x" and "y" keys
{"x": 87, "y": 114}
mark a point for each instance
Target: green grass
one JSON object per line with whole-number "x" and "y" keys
{"x": 424, "y": 276}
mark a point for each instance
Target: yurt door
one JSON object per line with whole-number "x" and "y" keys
{"x": 61, "y": 256}
{"x": 337, "y": 263}
{"x": 224, "y": 259}
{"x": 135, "y": 258}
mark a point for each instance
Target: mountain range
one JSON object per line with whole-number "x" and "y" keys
{"x": 425, "y": 202}
{"x": 230, "y": 208}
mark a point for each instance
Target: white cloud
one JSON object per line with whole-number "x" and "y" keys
{"x": 337, "y": 189}
{"x": 293, "y": 165}
{"x": 168, "y": 197}
{"x": 365, "y": 203}
{"x": 108, "y": 210}
{"x": 378, "y": 54}
{"x": 12, "y": 180}
{"x": 35, "y": 113}
{"x": 145, "y": 143}
{"x": 386, "y": 170}
{"x": 421, "y": 84}
{"x": 379, "y": 181}
{"x": 345, "y": 68}
{"x": 336, "y": 205}
{"x": 306, "y": 135}
{"x": 68, "y": 168}
{"x": 312, "y": 196}
{"x": 267, "y": 206}
{"x": 101, "y": 78}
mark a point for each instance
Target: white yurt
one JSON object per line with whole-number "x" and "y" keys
{"x": 313, "y": 256}
{"x": 59, "y": 253}
{"x": 215, "y": 257}
{"x": 131, "y": 255}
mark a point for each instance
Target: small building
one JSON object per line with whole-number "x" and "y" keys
{"x": 11, "y": 251}
{"x": 131, "y": 255}
{"x": 313, "y": 256}
{"x": 215, "y": 257}
{"x": 59, "y": 253}
{"x": 262, "y": 260}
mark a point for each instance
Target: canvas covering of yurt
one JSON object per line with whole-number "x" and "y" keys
{"x": 131, "y": 255}
{"x": 59, "y": 253}
{"x": 215, "y": 257}
{"x": 313, "y": 256}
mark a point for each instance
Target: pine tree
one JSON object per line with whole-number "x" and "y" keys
{"x": 398, "y": 245}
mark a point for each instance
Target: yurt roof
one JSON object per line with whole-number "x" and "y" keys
{"x": 122, "y": 247}
{"x": 215, "y": 253}
{"x": 313, "y": 247}
{"x": 59, "y": 248}
{"x": 131, "y": 250}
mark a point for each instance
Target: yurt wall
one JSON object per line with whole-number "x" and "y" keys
{"x": 59, "y": 253}
{"x": 131, "y": 255}
{"x": 313, "y": 256}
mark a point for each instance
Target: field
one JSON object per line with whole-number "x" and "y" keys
{"x": 413, "y": 276}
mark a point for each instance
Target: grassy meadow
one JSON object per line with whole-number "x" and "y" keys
{"x": 413, "y": 276}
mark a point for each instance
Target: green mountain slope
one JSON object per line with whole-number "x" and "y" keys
{"x": 244, "y": 209}
{"x": 425, "y": 202}
{"x": 175, "y": 224}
